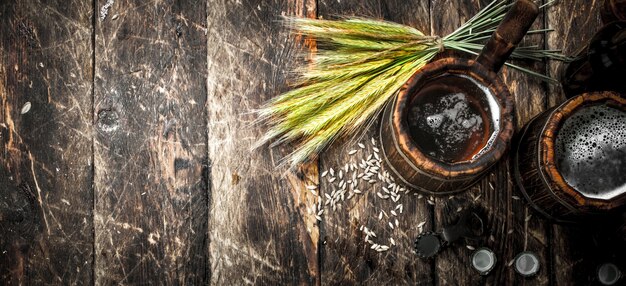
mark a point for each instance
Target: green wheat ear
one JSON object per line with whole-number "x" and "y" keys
{"x": 359, "y": 66}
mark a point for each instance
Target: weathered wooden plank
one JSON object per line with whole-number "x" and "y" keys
{"x": 346, "y": 258}
{"x": 45, "y": 151}
{"x": 151, "y": 167}
{"x": 577, "y": 252}
{"x": 530, "y": 232}
{"x": 574, "y": 22}
{"x": 507, "y": 230}
{"x": 260, "y": 230}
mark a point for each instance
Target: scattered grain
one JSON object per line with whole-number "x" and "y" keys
{"x": 25, "y": 108}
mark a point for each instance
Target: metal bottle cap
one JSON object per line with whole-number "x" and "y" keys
{"x": 483, "y": 260}
{"x": 527, "y": 264}
{"x": 427, "y": 245}
{"x": 609, "y": 274}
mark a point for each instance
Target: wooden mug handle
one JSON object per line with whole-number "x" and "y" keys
{"x": 509, "y": 33}
{"x": 613, "y": 10}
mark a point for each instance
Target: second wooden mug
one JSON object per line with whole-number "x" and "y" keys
{"x": 453, "y": 119}
{"x": 570, "y": 161}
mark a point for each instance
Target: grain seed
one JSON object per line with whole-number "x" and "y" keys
{"x": 421, "y": 224}
{"x": 361, "y": 145}
{"x": 352, "y": 152}
{"x": 394, "y": 213}
{"x": 25, "y": 108}
{"x": 510, "y": 262}
{"x": 373, "y": 141}
{"x": 311, "y": 187}
{"x": 332, "y": 172}
{"x": 390, "y": 225}
{"x": 380, "y": 216}
{"x": 324, "y": 174}
{"x": 515, "y": 198}
{"x": 393, "y": 242}
{"x": 470, "y": 247}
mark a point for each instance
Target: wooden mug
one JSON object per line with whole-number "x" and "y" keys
{"x": 544, "y": 170}
{"x": 613, "y": 10}
{"x": 423, "y": 170}
{"x": 601, "y": 65}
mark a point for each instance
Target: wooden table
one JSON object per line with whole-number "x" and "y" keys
{"x": 133, "y": 163}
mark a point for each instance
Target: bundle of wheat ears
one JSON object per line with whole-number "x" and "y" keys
{"x": 358, "y": 67}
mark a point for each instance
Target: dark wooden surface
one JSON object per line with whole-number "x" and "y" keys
{"x": 133, "y": 164}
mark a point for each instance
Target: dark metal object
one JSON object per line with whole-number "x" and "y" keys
{"x": 527, "y": 264}
{"x": 609, "y": 274}
{"x": 406, "y": 161}
{"x": 429, "y": 244}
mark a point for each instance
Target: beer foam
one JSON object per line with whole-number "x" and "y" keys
{"x": 591, "y": 151}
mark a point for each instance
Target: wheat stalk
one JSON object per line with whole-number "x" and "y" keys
{"x": 359, "y": 66}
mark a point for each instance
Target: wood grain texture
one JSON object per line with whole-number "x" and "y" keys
{"x": 575, "y": 22}
{"x": 346, "y": 259}
{"x": 576, "y": 251}
{"x": 133, "y": 164}
{"x": 46, "y": 230}
{"x": 151, "y": 174}
{"x": 453, "y": 266}
{"x": 530, "y": 232}
{"x": 508, "y": 231}
{"x": 259, "y": 228}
